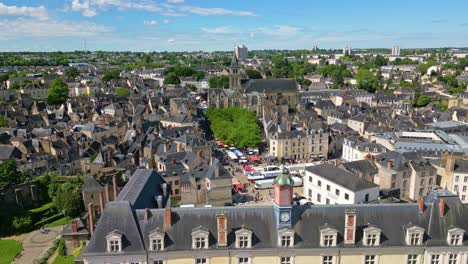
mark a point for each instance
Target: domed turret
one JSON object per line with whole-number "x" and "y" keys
{"x": 284, "y": 189}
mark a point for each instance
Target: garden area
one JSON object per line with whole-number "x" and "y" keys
{"x": 61, "y": 201}
{"x": 9, "y": 250}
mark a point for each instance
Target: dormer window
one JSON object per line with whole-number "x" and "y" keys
{"x": 285, "y": 237}
{"x": 455, "y": 236}
{"x": 114, "y": 241}
{"x": 243, "y": 238}
{"x": 372, "y": 236}
{"x": 200, "y": 238}
{"x": 414, "y": 235}
{"x": 156, "y": 239}
{"x": 328, "y": 236}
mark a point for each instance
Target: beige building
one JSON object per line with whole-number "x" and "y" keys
{"x": 453, "y": 172}
{"x": 299, "y": 144}
{"x": 408, "y": 171}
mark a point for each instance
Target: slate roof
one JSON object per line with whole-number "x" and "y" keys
{"x": 341, "y": 177}
{"x": 361, "y": 166}
{"x": 270, "y": 86}
{"x": 117, "y": 215}
{"x": 142, "y": 188}
{"x": 92, "y": 185}
{"x": 307, "y": 220}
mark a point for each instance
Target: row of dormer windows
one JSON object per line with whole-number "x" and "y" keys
{"x": 328, "y": 238}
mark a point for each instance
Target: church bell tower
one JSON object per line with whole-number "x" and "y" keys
{"x": 234, "y": 73}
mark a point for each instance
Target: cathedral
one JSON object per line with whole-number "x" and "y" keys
{"x": 266, "y": 97}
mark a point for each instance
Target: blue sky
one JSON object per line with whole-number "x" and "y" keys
{"x": 185, "y": 25}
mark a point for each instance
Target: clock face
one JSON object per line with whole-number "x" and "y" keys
{"x": 284, "y": 216}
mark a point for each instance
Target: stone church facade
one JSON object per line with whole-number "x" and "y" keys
{"x": 263, "y": 96}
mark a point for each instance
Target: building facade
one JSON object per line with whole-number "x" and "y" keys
{"x": 327, "y": 184}
{"x": 430, "y": 231}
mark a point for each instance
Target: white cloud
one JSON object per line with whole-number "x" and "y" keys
{"x": 83, "y": 7}
{"x": 166, "y": 21}
{"x": 151, "y": 22}
{"x": 90, "y": 8}
{"x": 18, "y": 28}
{"x": 39, "y": 12}
{"x": 171, "y": 40}
{"x": 218, "y": 30}
{"x": 216, "y": 11}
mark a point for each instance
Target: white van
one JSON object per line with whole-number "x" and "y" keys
{"x": 265, "y": 184}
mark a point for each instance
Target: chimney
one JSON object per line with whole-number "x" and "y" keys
{"x": 114, "y": 185}
{"x": 74, "y": 226}
{"x": 90, "y": 219}
{"x": 216, "y": 170}
{"x": 221, "y": 221}
{"x": 350, "y": 226}
{"x": 390, "y": 164}
{"x": 167, "y": 218}
{"x": 421, "y": 205}
{"x": 449, "y": 165}
{"x": 106, "y": 187}
{"x": 101, "y": 203}
{"x": 146, "y": 213}
{"x": 442, "y": 207}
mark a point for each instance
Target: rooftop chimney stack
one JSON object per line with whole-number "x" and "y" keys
{"x": 421, "y": 205}
{"x": 442, "y": 207}
{"x": 74, "y": 226}
{"x": 350, "y": 227}
{"x": 221, "y": 221}
{"x": 167, "y": 218}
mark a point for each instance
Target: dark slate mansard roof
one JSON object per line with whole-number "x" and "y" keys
{"x": 392, "y": 219}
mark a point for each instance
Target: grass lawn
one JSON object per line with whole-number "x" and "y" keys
{"x": 9, "y": 250}
{"x": 62, "y": 221}
{"x": 64, "y": 260}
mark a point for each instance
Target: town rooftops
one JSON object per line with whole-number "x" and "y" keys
{"x": 270, "y": 86}
{"x": 341, "y": 177}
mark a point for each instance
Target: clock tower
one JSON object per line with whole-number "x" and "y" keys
{"x": 284, "y": 199}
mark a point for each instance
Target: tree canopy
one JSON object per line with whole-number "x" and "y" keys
{"x": 235, "y": 126}
{"x": 67, "y": 199}
{"x": 337, "y": 72}
{"x": 367, "y": 80}
{"x": 218, "y": 81}
{"x": 171, "y": 78}
{"x": 122, "y": 91}
{"x": 423, "y": 101}
{"x": 71, "y": 72}
{"x": 110, "y": 74}
{"x": 10, "y": 175}
{"x": 58, "y": 92}
{"x": 253, "y": 74}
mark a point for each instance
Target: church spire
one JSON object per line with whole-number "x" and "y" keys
{"x": 234, "y": 73}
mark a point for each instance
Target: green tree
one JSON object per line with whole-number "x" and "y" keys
{"x": 235, "y": 126}
{"x": 280, "y": 66}
{"x": 122, "y": 91}
{"x": 3, "y": 121}
{"x": 367, "y": 80}
{"x": 71, "y": 72}
{"x": 58, "y": 92}
{"x": 67, "y": 199}
{"x": 171, "y": 78}
{"x": 110, "y": 74}
{"x": 218, "y": 81}
{"x": 422, "y": 68}
{"x": 9, "y": 174}
{"x": 423, "y": 101}
{"x": 253, "y": 74}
